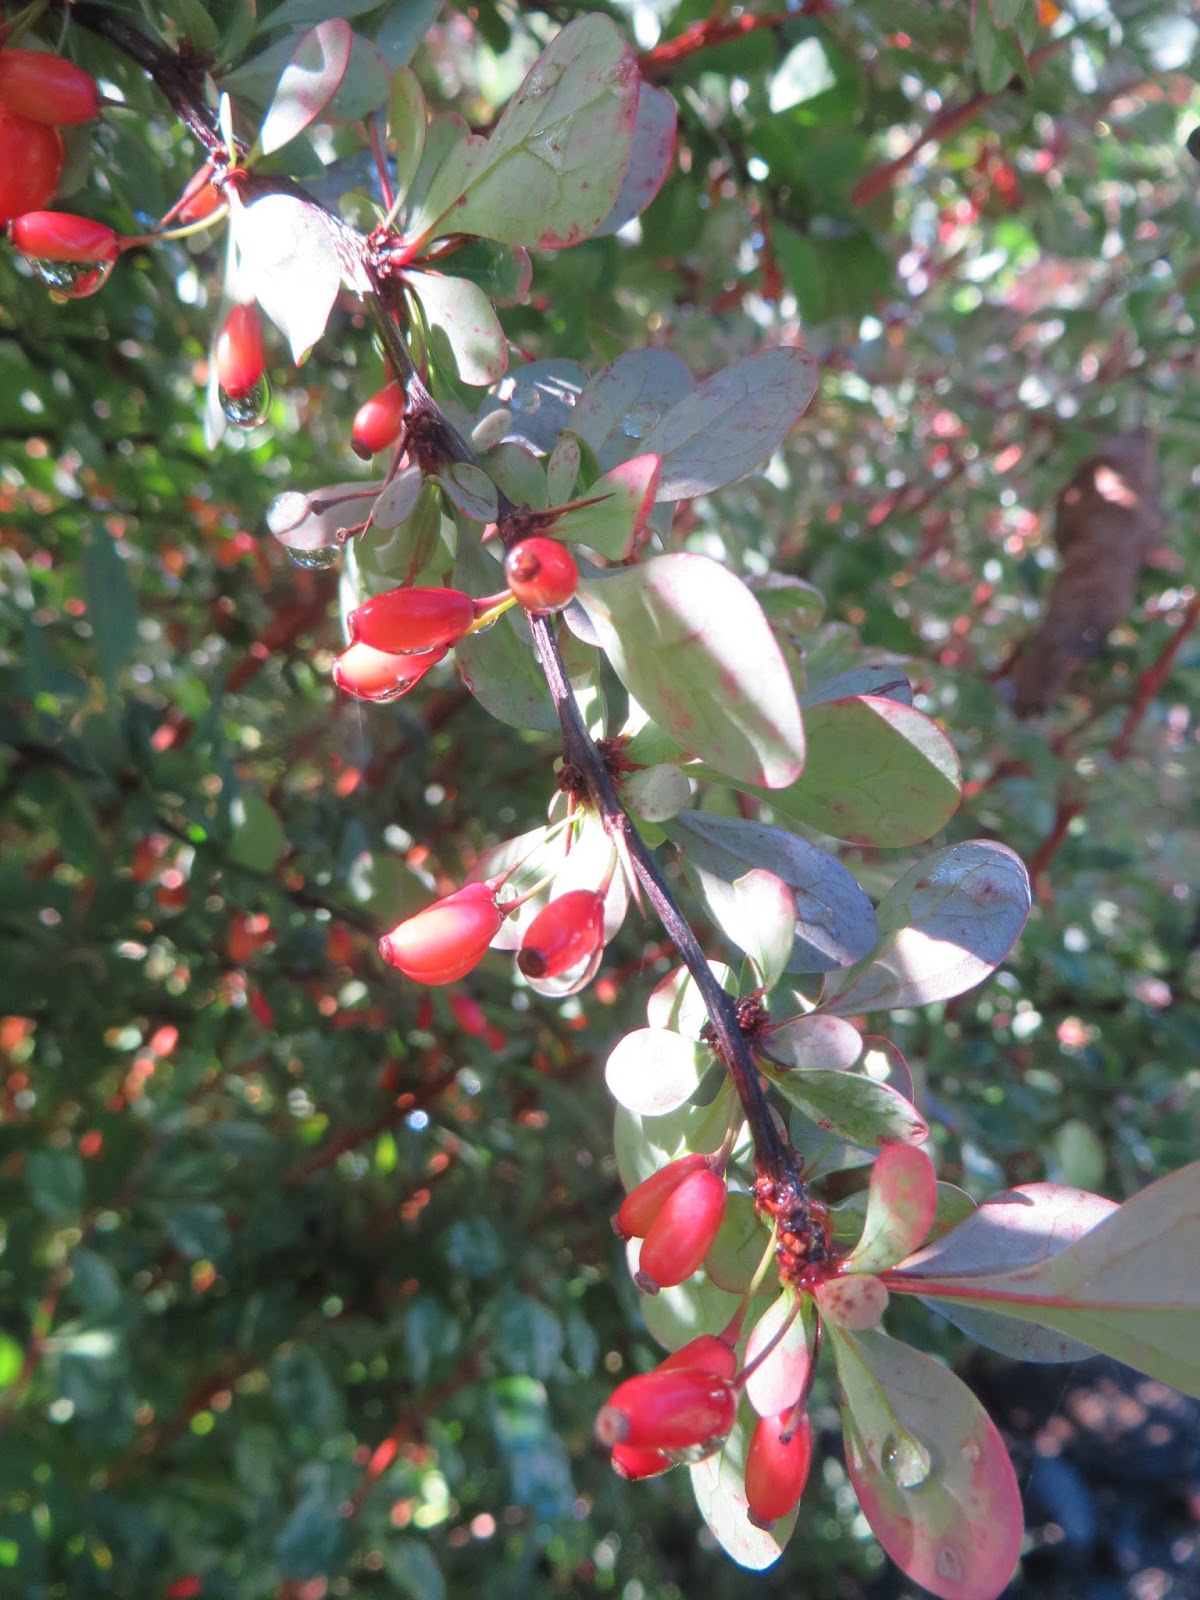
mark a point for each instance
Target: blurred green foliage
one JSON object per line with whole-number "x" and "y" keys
{"x": 304, "y": 1288}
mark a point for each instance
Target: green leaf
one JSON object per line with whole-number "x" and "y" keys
{"x": 257, "y": 839}
{"x": 55, "y": 1179}
{"x": 690, "y": 643}
{"x": 930, "y": 1469}
{"x": 943, "y": 928}
{"x": 1116, "y": 1288}
{"x": 732, "y": 422}
{"x": 528, "y": 1336}
{"x": 738, "y": 1248}
{"x": 611, "y": 527}
{"x": 464, "y": 332}
{"x": 308, "y": 83}
{"x": 550, "y": 171}
{"x": 111, "y": 606}
{"x": 997, "y": 52}
{"x": 719, "y": 1484}
{"x": 850, "y": 1106}
{"x": 810, "y": 1041}
{"x": 878, "y": 773}
{"x": 413, "y": 1568}
{"x": 626, "y": 400}
{"x": 653, "y": 1071}
{"x": 408, "y": 117}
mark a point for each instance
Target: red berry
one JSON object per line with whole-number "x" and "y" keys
{"x": 777, "y": 1464}
{"x": 682, "y": 1233}
{"x": 240, "y": 359}
{"x": 369, "y": 674}
{"x": 541, "y": 573}
{"x": 564, "y": 933}
{"x": 46, "y": 88}
{"x": 632, "y": 1464}
{"x": 407, "y": 620}
{"x": 378, "y": 421}
{"x": 676, "y": 1409}
{"x": 643, "y": 1203}
{"x": 468, "y": 1013}
{"x": 31, "y": 163}
{"x": 62, "y": 236}
{"x": 707, "y": 1353}
{"x": 443, "y": 942}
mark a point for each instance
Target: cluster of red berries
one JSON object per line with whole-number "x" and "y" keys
{"x": 39, "y": 94}
{"x": 684, "y": 1410}
{"x": 449, "y": 938}
{"x": 397, "y": 636}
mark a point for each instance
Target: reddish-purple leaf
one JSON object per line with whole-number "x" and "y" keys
{"x": 900, "y": 1207}
{"x": 930, "y": 1469}
{"x": 308, "y": 83}
{"x": 649, "y": 160}
{"x": 626, "y": 400}
{"x": 732, "y": 422}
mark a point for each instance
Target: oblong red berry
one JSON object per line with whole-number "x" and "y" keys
{"x": 564, "y": 933}
{"x": 31, "y": 163}
{"x": 682, "y": 1233}
{"x": 239, "y": 354}
{"x": 378, "y": 421}
{"x": 706, "y": 1352}
{"x": 199, "y": 198}
{"x": 674, "y": 1409}
{"x": 405, "y": 620}
{"x": 541, "y": 573}
{"x": 369, "y": 674}
{"x": 633, "y": 1465}
{"x": 446, "y": 940}
{"x": 643, "y": 1203}
{"x": 45, "y": 88}
{"x": 62, "y": 236}
{"x": 777, "y": 1465}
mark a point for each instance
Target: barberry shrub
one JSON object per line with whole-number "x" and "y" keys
{"x": 711, "y": 761}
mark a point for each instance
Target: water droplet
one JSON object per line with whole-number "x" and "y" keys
{"x": 524, "y": 401}
{"x": 638, "y": 420}
{"x": 905, "y": 1461}
{"x": 314, "y": 560}
{"x": 950, "y": 1565}
{"x": 72, "y": 280}
{"x": 250, "y": 411}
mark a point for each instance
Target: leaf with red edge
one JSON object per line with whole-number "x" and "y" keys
{"x": 465, "y": 335}
{"x": 1122, "y": 1287}
{"x": 612, "y": 524}
{"x": 690, "y": 643}
{"x": 649, "y": 160}
{"x": 851, "y": 1106}
{"x": 308, "y": 83}
{"x": 785, "y": 1372}
{"x": 901, "y": 1204}
{"x": 929, "y": 1467}
{"x": 732, "y": 422}
{"x": 719, "y": 1484}
{"x": 551, "y": 169}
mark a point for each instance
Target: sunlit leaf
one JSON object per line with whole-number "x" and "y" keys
{"x": 309, "y": 82}
{"x": 850, "y": 1106}
{"x": 943, "y": 928}
{"x": 550, "y": 170}
{"x": 290, "y": 264}
{"x": 652, "y": 1071}
{"x": 689, "y": 641}
{"x": 783, "y": 1375}
{"x": 812, "y": 1041}
{"x": 719, "y": 1484}
{"x": 464, "y": 331}
{"x": 649, "y": 160}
